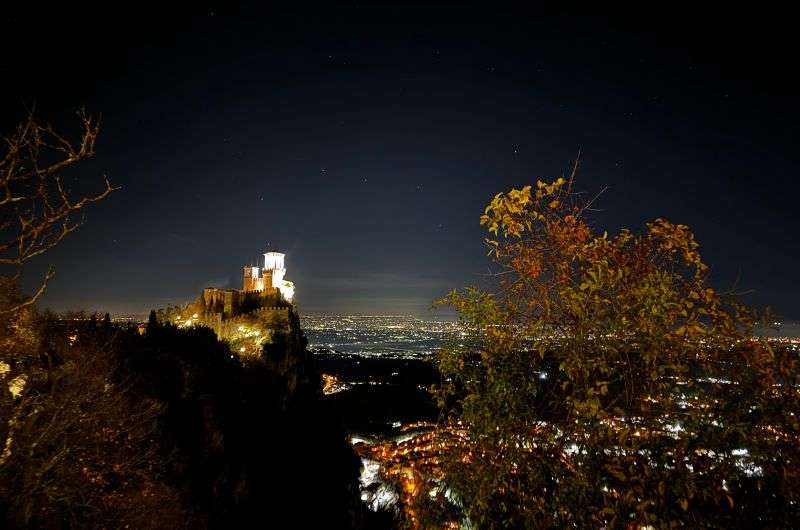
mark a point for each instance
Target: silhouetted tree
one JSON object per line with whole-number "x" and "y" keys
{"x": 152, "y": 323}
{"x": 244, "y": 440}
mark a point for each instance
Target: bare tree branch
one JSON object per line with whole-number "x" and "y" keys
{"x": 32, "y": 299}
{"x": 37, "y": 210}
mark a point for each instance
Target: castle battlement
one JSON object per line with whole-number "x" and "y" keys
{"x": 262, "y": 292}
{"x": 275, "y": 308}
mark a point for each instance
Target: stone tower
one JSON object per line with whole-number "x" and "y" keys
{"x": 249, "y": 276}
{"x": 273, "y": 266}
{"x": 268, "y": 278}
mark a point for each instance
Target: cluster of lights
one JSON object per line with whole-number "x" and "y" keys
{"x": 249, "y": 339}
{"x": 416, "y": 453}
{"x": 187, "y": 322}
{"x": 386, "y": 337}
{"x": 332, "y": 385}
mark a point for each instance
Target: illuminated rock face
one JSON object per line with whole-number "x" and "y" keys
{"x": 271, "y": 276}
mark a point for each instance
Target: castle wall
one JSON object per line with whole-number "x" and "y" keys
{"x": 213, "y": 299}
{"x": 232, "y": 302}
{"x": 274, "y": 318}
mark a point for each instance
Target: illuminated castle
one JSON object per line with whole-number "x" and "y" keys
{"x": 268, "y": 277}
{"x": 262, "y": 287}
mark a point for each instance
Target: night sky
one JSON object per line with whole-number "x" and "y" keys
{"x": 365, "y": 141}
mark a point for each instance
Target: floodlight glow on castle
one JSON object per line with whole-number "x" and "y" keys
{"x": 270, "y": 276}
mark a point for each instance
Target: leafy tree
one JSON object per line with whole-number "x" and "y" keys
{"x": 603, "y": 382}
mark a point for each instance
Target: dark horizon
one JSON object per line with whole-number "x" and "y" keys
{"x": 365, "y": 142}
